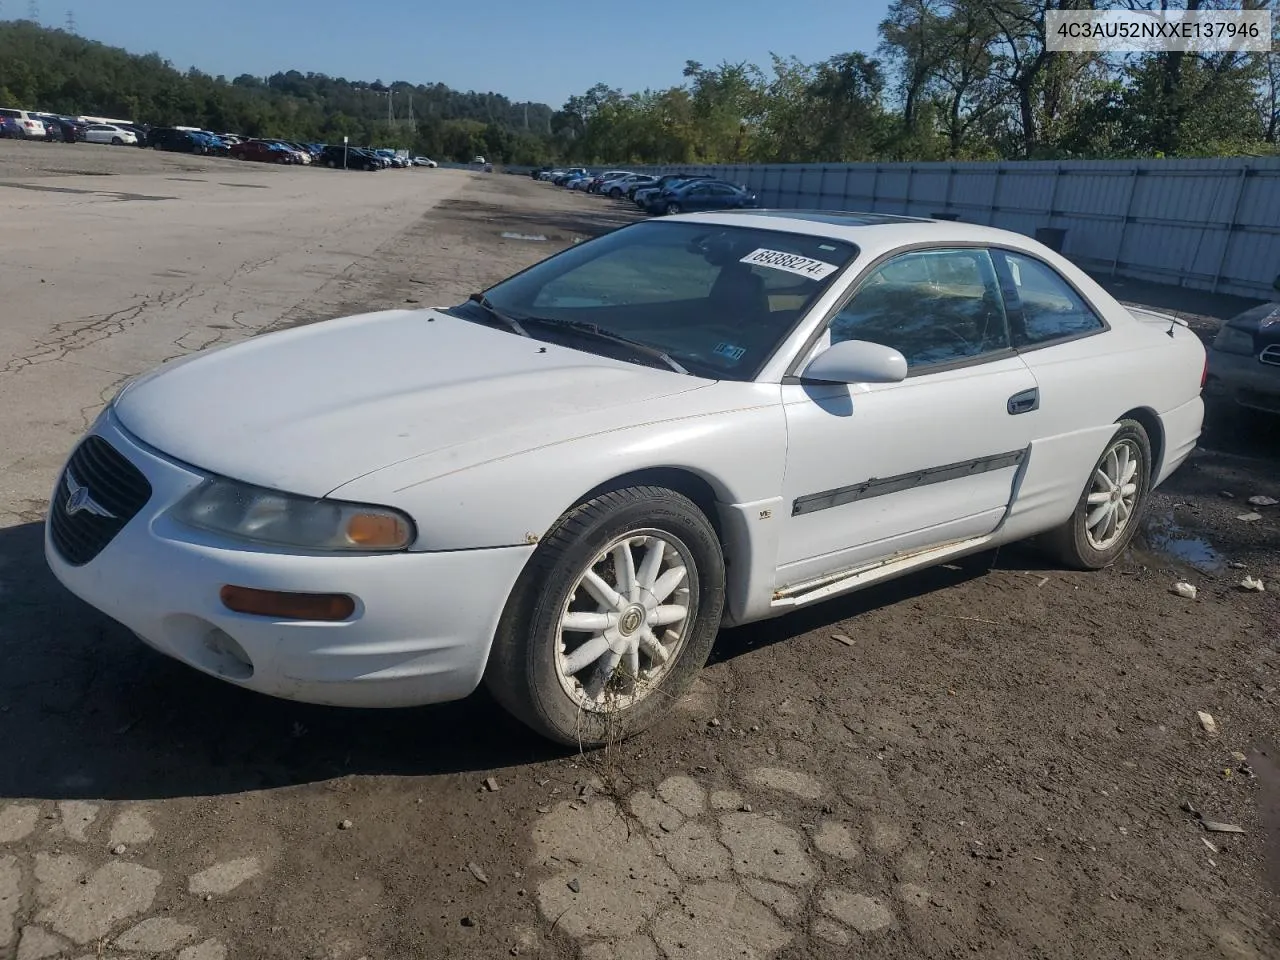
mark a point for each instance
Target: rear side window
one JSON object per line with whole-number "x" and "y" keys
{"x": 1051, "y": 308}
{"x": 13, "y": 114}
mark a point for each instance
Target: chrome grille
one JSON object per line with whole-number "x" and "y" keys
{"x": 1271, "y": 355}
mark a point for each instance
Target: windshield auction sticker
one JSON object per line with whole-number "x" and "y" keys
{"x": 790, "y": 262}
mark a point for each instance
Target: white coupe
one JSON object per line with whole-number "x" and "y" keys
{"x": 564, "y": 487}
{"x": 107, "y": 133}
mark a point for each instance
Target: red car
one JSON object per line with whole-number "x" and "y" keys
{"x": 263, "y": 152}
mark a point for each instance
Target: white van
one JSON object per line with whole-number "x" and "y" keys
{"x": 32, "y": 127}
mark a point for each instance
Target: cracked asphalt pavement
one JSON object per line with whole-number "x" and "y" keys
{"x": 998, "y": 758}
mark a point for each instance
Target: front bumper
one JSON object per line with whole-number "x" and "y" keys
{"x": 421, "y": 633}
{"x": 1244, "y": 380}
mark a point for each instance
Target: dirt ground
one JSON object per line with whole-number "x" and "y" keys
{"x": 1006, "y": 761}
{"x": 35, "y": 158}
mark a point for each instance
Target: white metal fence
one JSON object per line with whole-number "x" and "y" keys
{"x": 1206, "y": 224}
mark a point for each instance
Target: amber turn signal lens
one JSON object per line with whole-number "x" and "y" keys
{"x": 377, "y": 530}
{"x": 288, "y": 606}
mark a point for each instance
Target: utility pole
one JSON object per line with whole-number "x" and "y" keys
{"x": 391, "y": 112}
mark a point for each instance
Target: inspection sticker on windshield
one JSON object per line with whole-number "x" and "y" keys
{"x": 790, "y": 262}
{"x": 730, "y": 350}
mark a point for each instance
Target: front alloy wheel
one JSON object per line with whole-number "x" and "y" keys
{"x": 627, "y": 618}
{"x": 612, "y": 618}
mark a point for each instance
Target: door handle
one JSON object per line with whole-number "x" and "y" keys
{"x": 1024, "y": 402}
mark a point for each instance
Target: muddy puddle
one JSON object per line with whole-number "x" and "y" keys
{"x": 1163, "y": 534}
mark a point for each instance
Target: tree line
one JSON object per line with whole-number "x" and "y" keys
{"x": 58, "y": 72}
{"x": 950, "y": 80}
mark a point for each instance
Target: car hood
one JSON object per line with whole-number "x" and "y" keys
{"x": 309, "y": 409}
{"x": 1264, "y": 319}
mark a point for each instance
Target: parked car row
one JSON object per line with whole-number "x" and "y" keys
{"x": 32, "y": 125}
{"x": 670, "y": 193}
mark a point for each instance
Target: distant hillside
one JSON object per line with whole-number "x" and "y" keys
{"x": 59, "y": 72}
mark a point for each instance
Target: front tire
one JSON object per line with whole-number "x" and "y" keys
{"x": 672, "y": 209}
{"x": 1110, "y": 508}
{"x": 612, "y": 619}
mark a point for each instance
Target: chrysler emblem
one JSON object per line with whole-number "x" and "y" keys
{"x": 631, "y": 621}
{"x": 80, "y": 500}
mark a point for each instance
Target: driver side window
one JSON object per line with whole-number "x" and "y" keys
{"x": 935, "y": 306}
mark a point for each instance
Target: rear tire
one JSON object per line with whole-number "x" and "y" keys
{"x": 672, "y": 209}
{"x": 117, "y": 142}
{"x": 1118, "y": 487}
{"x": 597, "y": 699}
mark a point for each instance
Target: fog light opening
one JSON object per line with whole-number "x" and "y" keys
{"x": 229, "y": 658}
{"x": 288, "y": 606}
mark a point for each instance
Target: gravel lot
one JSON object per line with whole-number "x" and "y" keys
{"x": 1000, "y": 765}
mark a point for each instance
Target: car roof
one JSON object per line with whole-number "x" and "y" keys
{"x": 865, "y": 229}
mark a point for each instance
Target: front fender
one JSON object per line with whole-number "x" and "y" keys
{"x": 516, "y": 498}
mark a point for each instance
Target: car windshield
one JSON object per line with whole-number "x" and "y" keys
{"x": 717, "y": 299}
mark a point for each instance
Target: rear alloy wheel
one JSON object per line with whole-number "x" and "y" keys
{"x": 1110, "y": 508}
{"x": 117, "y": 142}
{"x": 672, "y": 209}
{"x": 612, "y": 619}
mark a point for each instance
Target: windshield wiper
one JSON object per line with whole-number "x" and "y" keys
{"x": 584, "y": 328}
{"x": 497, "y": 314}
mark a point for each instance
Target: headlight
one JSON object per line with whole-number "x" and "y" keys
{"x": 1234, "y": 340}
{"x": 268, "y": 516}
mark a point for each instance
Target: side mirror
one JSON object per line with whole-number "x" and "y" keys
{"x": 857, "y": 361}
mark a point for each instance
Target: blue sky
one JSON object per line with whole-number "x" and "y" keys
{"x": 540, "y": 50}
